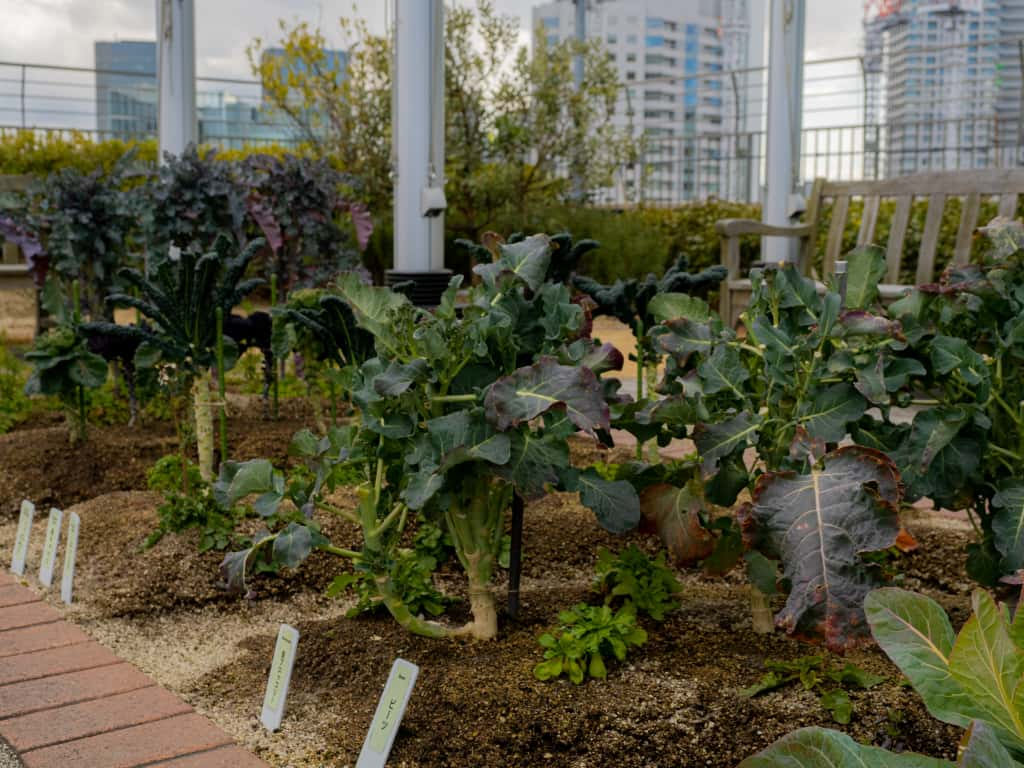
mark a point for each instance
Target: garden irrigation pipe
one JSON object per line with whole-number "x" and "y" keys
{"x": 515, "y": 556}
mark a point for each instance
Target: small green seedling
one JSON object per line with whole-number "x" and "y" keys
{"x": 815, "y": 674}
{"x": 635, "y": 578}
{"x": 588, "y": 634}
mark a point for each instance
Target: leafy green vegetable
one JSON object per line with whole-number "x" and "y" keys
{"x": 587, "y": 636}
{"x": 632, "y": 576}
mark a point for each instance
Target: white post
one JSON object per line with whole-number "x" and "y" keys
{"x": 176, "y": 73}
{"x": 418, "y": 125}
{"x": 785, "y": 104}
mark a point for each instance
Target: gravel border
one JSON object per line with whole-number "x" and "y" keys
{"x": 8, "y": 757}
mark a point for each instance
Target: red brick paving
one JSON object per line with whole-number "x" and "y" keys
{"x": 67, "y": 701}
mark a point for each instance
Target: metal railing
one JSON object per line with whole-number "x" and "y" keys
{"x": 703, "y": 131}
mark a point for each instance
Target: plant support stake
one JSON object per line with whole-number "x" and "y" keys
{"x": 220, "y": 386}
{"x": 515, "y": 556}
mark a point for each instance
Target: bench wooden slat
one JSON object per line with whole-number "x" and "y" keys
{"x": 1008, "y": 206}
{"x": 987, "y": 182}
{"x": 834, "y": 248}
{"x": 897, "y": 234}
{"x": 965, "y": 234}
{"x": 930, "y": 239}
{"x": 868, "y": 220}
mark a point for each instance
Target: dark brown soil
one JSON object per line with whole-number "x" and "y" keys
{"x": 675, "y": 702}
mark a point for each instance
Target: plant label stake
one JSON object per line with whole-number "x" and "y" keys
{"x": 28, "y": 509}
{"x": 280, "y": 677}
{"x": 390, "y": 711}
{"x": 70, "y": 552}
{"x": 50, "y": 546}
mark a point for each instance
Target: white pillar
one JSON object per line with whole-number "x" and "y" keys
{"x": 415, "y": 123}
{"x": 437, "y": 129}
{"x": 785, "y": 104}
{"x": 176, "y": 73}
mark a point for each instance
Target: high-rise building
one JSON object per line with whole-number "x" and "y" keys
{"x": 944, "y": 82}
{"x": 126, "y": 104}
{"x": 127, "y": 96}
{"x": 675, "y": 59}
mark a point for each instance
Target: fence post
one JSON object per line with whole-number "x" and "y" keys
{"x": 23, "y": 68}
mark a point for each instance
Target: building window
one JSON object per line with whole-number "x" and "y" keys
{"x": 613, "y": 39}
{"x": 550, "y": 22}
{"x": 630, "y": 57}
{"x": 653, "y": 23}
{"x": 630, "y": 39}
{"x": 654, "y": 41}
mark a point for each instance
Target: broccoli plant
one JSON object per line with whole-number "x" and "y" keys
{"x": 297, "y": 202}
{"x": 179, "y": 295}
{"x": 966, "y": 451}
{"x": 457, "y": 410}
{"x": 802, "y": 377}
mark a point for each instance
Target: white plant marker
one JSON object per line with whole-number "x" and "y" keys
{"x": 50, "y": 547}
{"x": 70, "y": 552}
{"x": 280, "y": 677}
{"x": 28, "y": 509}
{"x": 388, "y": 716}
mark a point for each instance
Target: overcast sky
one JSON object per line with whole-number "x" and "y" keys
{"x": 62, "y": 31}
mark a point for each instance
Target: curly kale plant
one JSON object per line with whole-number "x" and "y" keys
{"x": 457, "y": 410}
{"x": 640, "y": 303}
{"x": 297, "y": 202}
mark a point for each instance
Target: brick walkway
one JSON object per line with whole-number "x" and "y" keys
{"x": 66, "y": 701}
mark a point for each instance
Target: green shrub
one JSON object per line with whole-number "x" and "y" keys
{"x": 14, "y": 405}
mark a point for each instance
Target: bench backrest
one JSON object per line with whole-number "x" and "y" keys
{"x": 970, "y": 185}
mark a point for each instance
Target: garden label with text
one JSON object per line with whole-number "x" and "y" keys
{"x": 70, "y": 552}
{"x": 28, "y": 510}
{"x": 390, "y": 711}
{"x": 49, "y": 558}
{"x": 280, "y": 677}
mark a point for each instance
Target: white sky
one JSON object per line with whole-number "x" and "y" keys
{"x": 62, "y": 31}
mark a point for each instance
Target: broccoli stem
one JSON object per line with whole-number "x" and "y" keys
{"x": 203, "y": 415}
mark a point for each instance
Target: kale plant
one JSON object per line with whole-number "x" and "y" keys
{"x": 297, "y": 203}
{"x": 457, "y": 410}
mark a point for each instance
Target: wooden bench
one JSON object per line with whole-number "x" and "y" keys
{"x": 19, "y": 306}
{"x": 970, "y": 186}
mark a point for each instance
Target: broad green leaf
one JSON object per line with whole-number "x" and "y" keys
{"x": 669, "y": 306}
{"x": 821, "y": 748}
{"x": 465, "y": 436}
{"x": 398, "y": 377}
{"x": 989, "y": 667}
{"x": 726, "y": 484}
{"x": 674, "y": 514}
{"x": 88, "y": 370}
{"x": 683, "y": 337}
{"x": 543, "y": 386}
{"x": 239, "y": 479}
{"x": 614, "y": 503}
{"x": 371, "y": 305}
{"x": 818, "y": 525}
{"x": 716, "y": 441}
{"x": 915, "y": 633}
{"x": 829, "y": 415}
{"x": 528, "y": 260}
{"x": 421, "y": 487}
{"x": 798, "y": 292}
{"x": 871, "y": 381}
{"x": 293, "y": 545}
{"x": 762, "y": 572}
{"x": 532, "y": 464}
{"x": 838, "y": 703}
{"x": 723, "y": 371}
{"x": 950, "y": 353}
{"x": 147, "y": 355}
{"x": 865, "y": 270}
{"x": 984, "y": 750}
{"x": 1008, "y": 523}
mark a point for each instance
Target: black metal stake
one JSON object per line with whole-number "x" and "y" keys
{"x": 515, "y": 556}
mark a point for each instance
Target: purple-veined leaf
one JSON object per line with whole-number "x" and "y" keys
{"x": 822, "y": 748}
{"x": 602, "y": 359}
{"x": 262, "y": 212}
{"x": 674, "y": 514}
{"x": 818, "y": 525}
{"x": 545, "y": 386}
{"x": 860, "y": 323}
{"x": 362, "y": 220}
{"x": 716, "y": 441}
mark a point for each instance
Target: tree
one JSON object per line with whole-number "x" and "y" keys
{"x": 516, "y": 124}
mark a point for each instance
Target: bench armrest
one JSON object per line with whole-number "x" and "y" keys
{"x": 739, "y": 227}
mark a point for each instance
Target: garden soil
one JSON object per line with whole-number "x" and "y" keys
{"x": 676, "y": 702}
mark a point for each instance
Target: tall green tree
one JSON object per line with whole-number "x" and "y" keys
{"x": 517, "y": 126}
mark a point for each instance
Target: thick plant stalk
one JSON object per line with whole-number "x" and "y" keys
{"x": 203, "y": 414}
{"x": 405, "y": 618}
{"x": 269, "y": 363}
{"x": 761, "y": 611}
{"x": 221, "y": 414}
